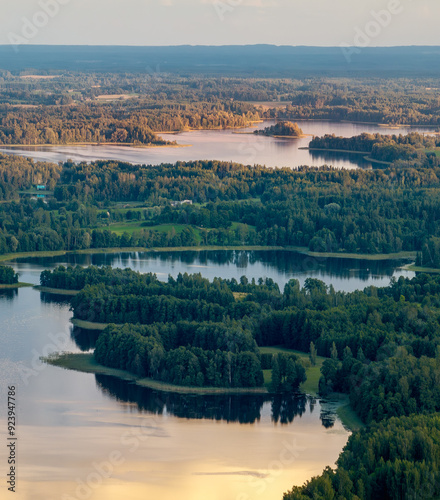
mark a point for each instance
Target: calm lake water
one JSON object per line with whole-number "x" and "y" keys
{"x": 227, "y": 145}
{"x": 93, "y": 436}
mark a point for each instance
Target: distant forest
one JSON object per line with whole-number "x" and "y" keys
{"x": 67, "y": 107}
{"x": 250, "y": 61}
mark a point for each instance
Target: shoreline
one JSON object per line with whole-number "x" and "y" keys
{"x": 15, "y": 285}
{"x": 420, "y": 269}
{"x": 86, "y": 363}
{"x": 90, "y": 325}
{"x": 335, "y": 150}
{"x": 302, "y": 136}
{"x": 249, "y": 248}
{"x": 192, "y": 129}
{"x": 99, "y": 144}
{"x": 58, "y": 291}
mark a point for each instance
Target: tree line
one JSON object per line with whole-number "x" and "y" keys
{"x": 130, "y": 123}
{"x": 411, "y": 150}
{"x": 327, "y": 210}
{"x": 8, "y": 276}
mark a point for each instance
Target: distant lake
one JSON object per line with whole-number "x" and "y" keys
{"x": 237, "y": 145}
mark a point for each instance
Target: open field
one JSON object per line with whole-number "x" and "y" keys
{"x": 313, "y": 373}
{"x": 112, "y": 97}
{"x": 435, "y": 150}
{"x": 132, "y": 227}
{"x": 40, "y": 77}
{"x": 419, "y": 269}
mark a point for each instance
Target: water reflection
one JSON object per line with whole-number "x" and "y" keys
{"x": 8, "y": 295}
{"x": 241, "y": 408}
{"x": 54, "y": 298}
{"x": 84, "y": 339}
{"x": 280, "y": 265}
{"x": 332, "y": 157}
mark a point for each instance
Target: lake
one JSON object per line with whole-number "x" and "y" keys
{"x": 93, "y": 436}
{"x": 238, "y": 145}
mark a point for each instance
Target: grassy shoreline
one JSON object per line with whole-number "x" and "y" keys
{"x": 87, "y": 364}
{"x": 90, "y": 325}
{"x": 58, "y": 291}
{"x": 15, "y": 285}
{"x": 419, "y": 269}
{"x": 313, "y": 373}
{"x": 83, "y": 144}
{"x": 349, "y": 417}
{"x": 336, "y": 150}
{"x": 301, "y": 250}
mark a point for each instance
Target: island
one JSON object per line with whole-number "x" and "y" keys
{"x": 9, "y": 278}
{"x": 282, "y": 129}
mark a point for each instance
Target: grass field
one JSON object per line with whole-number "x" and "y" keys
{"x": 313, "y": 373}
{"x": 131, "y": 227}
{"x": 345, "y": 412}
{"x": 434, "y": 150}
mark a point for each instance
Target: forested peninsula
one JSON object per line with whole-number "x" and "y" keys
{"x": 110, "y": 204}
{"x": 381, "y": 347}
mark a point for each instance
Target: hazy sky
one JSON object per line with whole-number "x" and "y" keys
{"x": 217, "y": 22}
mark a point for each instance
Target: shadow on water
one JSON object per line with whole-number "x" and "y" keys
{"x": 242, "y": 408}
{"x": 84, "y": 339}
{"x": 54, "y": 298}
{"x": 329, "y": 157}
{"x": 8, "y": 295}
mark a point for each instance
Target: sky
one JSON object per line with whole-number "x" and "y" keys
{"x": 220, "y": 22}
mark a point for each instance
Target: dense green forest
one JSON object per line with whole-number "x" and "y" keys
{"x": 113, "y": 204}
{"x": 8, "y": 276}
{"x": 186, "y": 331}
{"x": 397, "y": 455}
{"x": 373, "y": 339}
